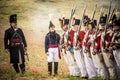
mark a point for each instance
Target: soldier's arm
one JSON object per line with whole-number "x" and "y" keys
{"x": 23, "y": 38}
{"x": 59, "y": 39}
{"x": 46, "y": 44}
{"x": 6, "y": 46}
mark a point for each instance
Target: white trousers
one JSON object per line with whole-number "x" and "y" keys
{"x": 92, "y": 71}
{"x": 110, "y": 65}
{"x": 73, "y": 68}
{"x": 53, "y": 55}
{"x": 99, "y": 64}
{"x": 116, "y": 54}
{"x": 80, "y": 62}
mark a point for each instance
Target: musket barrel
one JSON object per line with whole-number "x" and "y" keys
{"x": 93, "y": 14}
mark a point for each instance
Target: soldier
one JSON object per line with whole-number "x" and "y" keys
{"x": 116, "y": 44}
{"x": 52, "y": 48}
{"x": 76, "y": 48}
{"x": 101, "y": 66}
{"x": 108, "y": 53}
{"x": 90, "y": 27}
{"x": 73, "y": 68}
{"x": 15, "y": 43}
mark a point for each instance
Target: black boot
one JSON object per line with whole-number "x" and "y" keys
{"x": 15, "y": 66}
{"x": 55, "y": 68}
{"x": 22, "y": 67}
{"x": 50, "y": 68}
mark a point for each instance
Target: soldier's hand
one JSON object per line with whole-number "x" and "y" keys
{"x": 65, "y": 44}
{"x": 110, "y": 48}
{"x": 25, "y": 48}
{"x": 67, "y": 48}
{"x": 95, "y": 51}
{"x": 47, "y": 54}
{"x": 114, "y": 47}
{"x": 7, "y": 50}
{"x": 74, "y": 43}
{"x": 60, "y": 46}
{"x": 86, "y": 49}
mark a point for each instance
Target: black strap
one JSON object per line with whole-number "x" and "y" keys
{"x": 16, "y": 33}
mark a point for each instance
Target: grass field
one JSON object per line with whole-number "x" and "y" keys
{"x": 33, "y": 19}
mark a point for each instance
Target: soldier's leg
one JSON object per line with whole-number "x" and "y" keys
{"x": 50, "y": 68}
{"x": 50, "y": 59}
{"x": 56, "y": 59}
{"x": 116, "y": 54}
{"x": 112, "y": 73}
{"x": 80, "y": 62}
{"x": 69, "y": 61}
{"x": 22, "y": 67}
{"x": 15, "y": 65}
{"x": 55, "y": 68}
{"x": 104, "y": 71}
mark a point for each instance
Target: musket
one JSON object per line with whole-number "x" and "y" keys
{"x": 107, "y": 21}
{"x": 67, "y": 32}
{"x": 113, "y": 12}
{"x": 76, "y": 34}
{"x": 61, "y": 20}
{"x": 72, "y": 13}
{"x": 92, "y": 18}
{"x": 93, "y": 14}
{"x": 97, "y": 27}
{"x": 87, "y": 33}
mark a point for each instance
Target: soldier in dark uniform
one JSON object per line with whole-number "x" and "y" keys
{"x": 52, "y": 48}
{"x": 15, "y": 44}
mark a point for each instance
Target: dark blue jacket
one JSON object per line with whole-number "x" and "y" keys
{"x": 51, "y": 38}
{"x": 14, "y": 51}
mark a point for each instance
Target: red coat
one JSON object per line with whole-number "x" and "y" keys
{"x": 81, "y": 37}
{"x": 85, "y": 42}
{"x": 109, "y": 38}
{"x": 71, "y": 37}
{"x": 98, "y": 42}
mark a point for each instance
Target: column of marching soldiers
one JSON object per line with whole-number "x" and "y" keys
{"x": 94, "y": 51}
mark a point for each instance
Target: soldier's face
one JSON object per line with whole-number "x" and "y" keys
{"x": 94, "y": 29}
{"x": 101, "y": 30}
{"x": 116, "y": 28}
{"x": 65, "y": 27}
{"x": 52, "y": 29}
{"x": 75, "y": 27}
{"x": 110, "y": 28}
{"x": 13, "y": 24}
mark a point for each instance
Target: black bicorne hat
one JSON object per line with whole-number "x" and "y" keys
{"x": 116, "y": 22}
{"x": 103, "y": 19}
{"x": 13, "y": 18}
{"x": 77, "y": 22}
{"x": 66, "y": 22}
{"x": 51, "y": 24}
